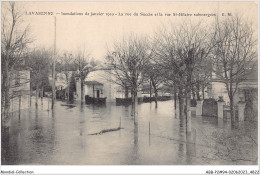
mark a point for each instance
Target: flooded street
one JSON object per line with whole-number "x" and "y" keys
{"x": 64, "y": 137}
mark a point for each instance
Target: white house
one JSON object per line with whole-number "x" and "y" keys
{"x": 102, "y": 84}
{"x": 218, "y": 88}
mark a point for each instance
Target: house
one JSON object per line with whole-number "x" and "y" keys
{"x": 61, "y": 79}
{"x": 218, "y": 87}
{"x": 62, "y": 82}
{"x": 102, "y": 84}
{"x": 94, "y": 89}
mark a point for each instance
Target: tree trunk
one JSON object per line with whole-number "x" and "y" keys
{"x": 150, "y": 88}
{"x": 30, "y": 94}
{"x": 41, "y": 93}
{"x": 231, "y": 98}
{"x": 156, "y": 97}
{"x": 155, "y": 91}
{"x": 181, "y": 103}
{"x": 175, "y": 100}
{"x": 193, "y": 92}
{"x": 53, "y": 87}
{"x": 176, "y": 107}
{"x": 189, "y": 89}
{"x": 198, "y": 91}
{"x": 37, "y": 95}
{"x": 232, "y": 111}
{"x": 5, "y": 92}
{"x": 2, "y": 105}
{"x": 134, "y": 103}
{"x": 203, "y": 89}
{"x": 188, "y": 113}
{"x": 82, "y": 90}
{"x": 20, "y": 100}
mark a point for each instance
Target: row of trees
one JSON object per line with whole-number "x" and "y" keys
{"x": 16, "y": 54}
{"x": 181, "y": 56}
{"x": 67, "y": 67}
{"x": 184, "y": 56}
{"x": 14, "y": 41}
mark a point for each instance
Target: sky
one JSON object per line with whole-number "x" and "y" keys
{"x": 97, "y": 33}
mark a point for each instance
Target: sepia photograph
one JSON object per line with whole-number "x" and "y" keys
{"x": 129, "y": 83}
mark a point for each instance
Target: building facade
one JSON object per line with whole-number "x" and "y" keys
{"x": 102, "y": 84}
{"x": 218, "y": 87}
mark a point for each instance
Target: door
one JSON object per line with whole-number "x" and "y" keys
{"x": 98, "y": 93}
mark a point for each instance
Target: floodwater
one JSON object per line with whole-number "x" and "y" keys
{"x": 66, "y": 136}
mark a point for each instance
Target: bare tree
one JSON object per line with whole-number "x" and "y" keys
{"x": 180, "y": 51}
{"x": 84, "y": 66}
{"x": 235, "y": 51}
{"x": 37, "y": 62}
{"x": 154, "y": 74}
{"x": 118, "y": 78}
{"x": 66, "y": 68}
{"x": 202, "y": 78}
{"x": 128, "y": 59}
{"x": 15, "y": 38}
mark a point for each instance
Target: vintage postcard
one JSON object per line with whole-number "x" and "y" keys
{"x": 129, "y": 83}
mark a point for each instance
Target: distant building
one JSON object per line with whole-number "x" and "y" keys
{"x": 100, "y": 84}
{"x": 61, "y": 80}
{"x": 94, "y": 89}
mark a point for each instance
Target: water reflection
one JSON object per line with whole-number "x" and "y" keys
{"x": 190, "y": 147}
{"x": 135, "y": 146}
{"x": 189, "y": 150}
{"x": 182, "y": 129}
{"x": 62, "y": 135}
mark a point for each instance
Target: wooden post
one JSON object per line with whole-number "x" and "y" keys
{"x": 120, "y": 122}
{"x": 149, "y": 133}
{"x": 149, "y": 128}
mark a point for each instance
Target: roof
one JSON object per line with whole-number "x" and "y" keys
{"x": 93, "y": 83}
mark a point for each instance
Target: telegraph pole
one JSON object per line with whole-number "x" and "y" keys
{"x": 53, "y": 66}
